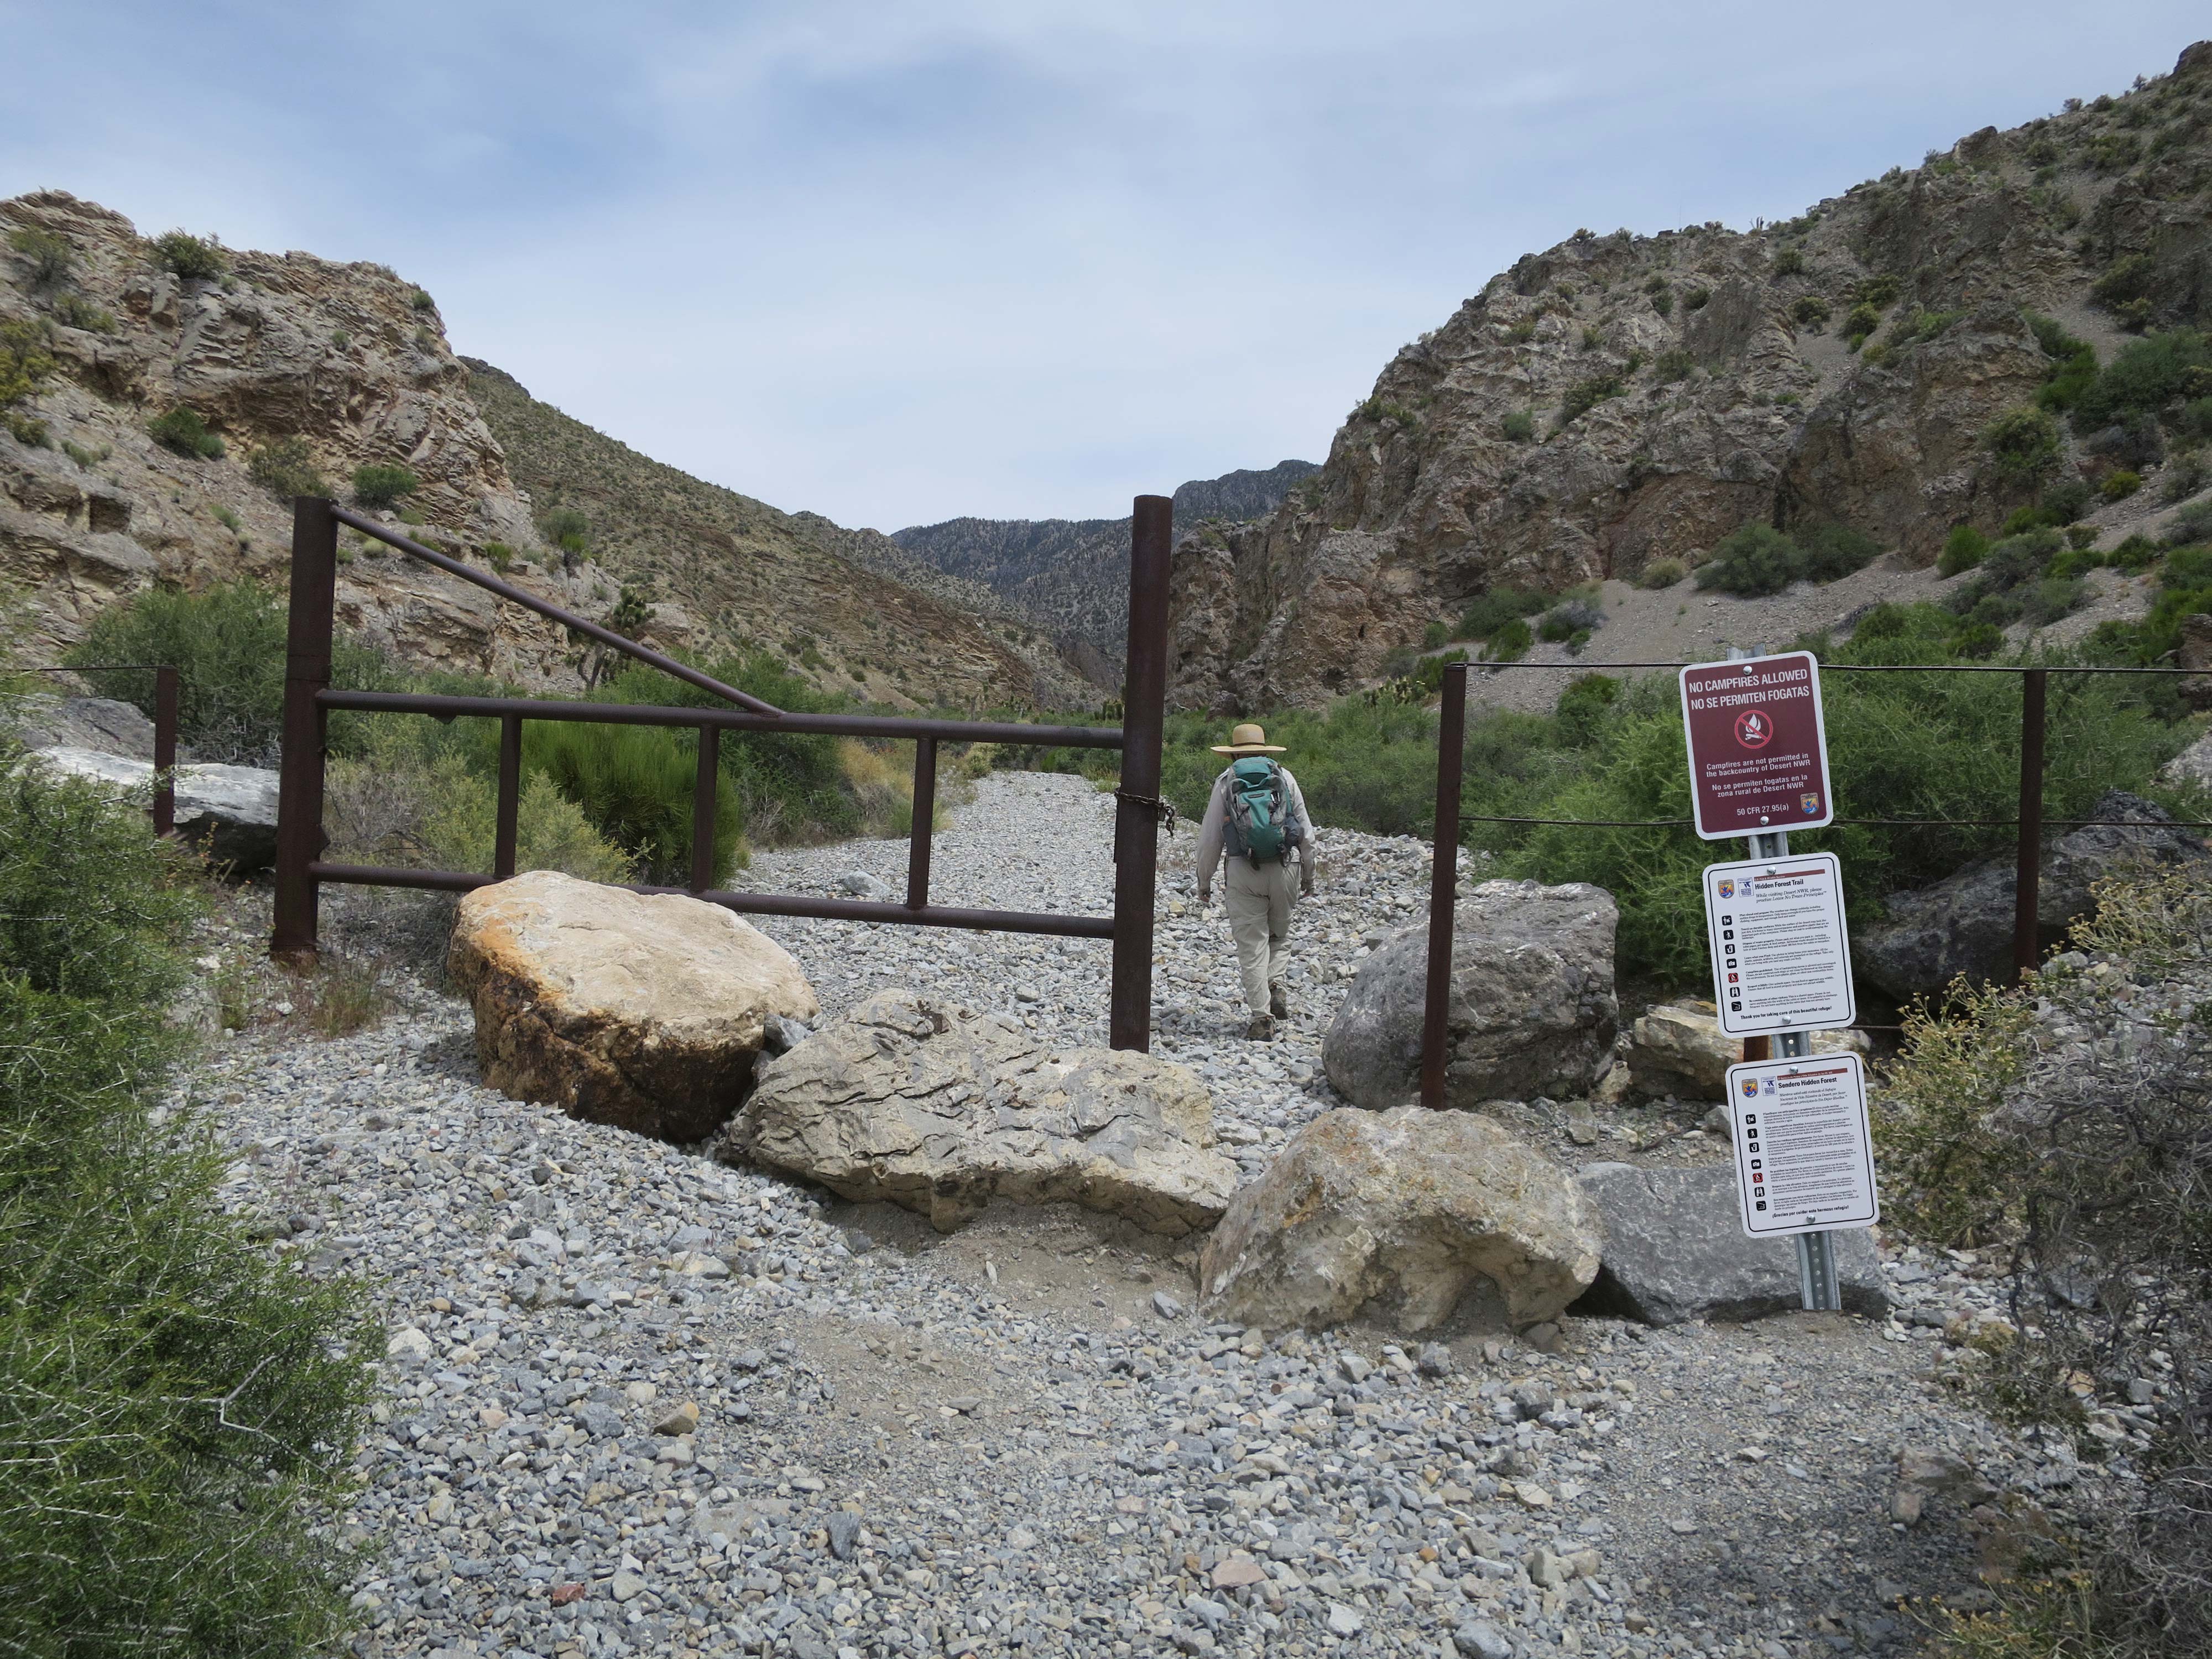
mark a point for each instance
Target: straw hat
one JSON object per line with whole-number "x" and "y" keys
{"x": 1248, "y": 740}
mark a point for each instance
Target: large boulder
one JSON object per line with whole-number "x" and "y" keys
{"x": 1678, "y": 1048}
{"x": 643, "y": 1012}
{"x": 1963, "y": 923}
{"x": 942, "y": 1109}
{"x": 1532, "y": 1009}
{"x": 230, "y": 811}
{"x": 101, "y": 724}
{"x": 1411, "y": 1219}
{"x": 1675, "y": 1250}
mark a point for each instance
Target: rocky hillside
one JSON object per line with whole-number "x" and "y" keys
{"x": 1620, "y": 399}
{"x": 161, "y": 400}
{"x": 1070, "y": 576}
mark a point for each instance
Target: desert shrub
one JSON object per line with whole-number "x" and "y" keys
{"x": 1760, "y": 559}
{"x": 2120, "y": 484}
{"x": 379, "y": 485}
{"x": 1921, "y": 324}
{"x": 1518, "y": 426}
{"x": 183, "y": 430}
{"x": 2193, "y": 423}
{"x": 2193, "y": 524}
{"x": 1962, "y": 550}
{"x": 1662, "y": 301}
{"x": 1662, "y": 573}
{"x": 1488, "y": 612}
{"x": 1861, "y": 321}
{"x": 2143, "y": 376}
{"x": 2186, "y": 475}
{"x": 1436, "y": 636}
{"x": 25, "y": 363}
{"x": 2065, "y": 1127}
{"x": 418, "y": 805}
{"x": 1695, "y": 299}
{"x": 1585, "y": 395}
{"x": 2073, "y": 363}
{"x": 178, "y": 1411}
{"x": 1788, "y": 262}
{"x": 567, "y": 529}
{"x": 183, "y": 254}
{"x": 499, "y": 555}
{"x": 421, "y": 300}
{"x": 2023, "y": 444}
{"x": 1509, "y": 643}
{"x": 1809, "y": 310}
{"x": 286, "y": 469}
{"x": 75, "y": 311}
{"x": 2065, "y": 501}
{"x": 228, "y": 643}
{"x": 51, "y": 256}
{"x": 1675, "y": 365}
{"x": 1833, "y": 550}
{"x": 1564, "y": 622}
{"x": 634, "y": 784}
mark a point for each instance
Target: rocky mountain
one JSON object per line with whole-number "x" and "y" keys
{"x": 1070, "y": 576}
{"x": 1620, "y": 399}
{"x": 161, "y": 400}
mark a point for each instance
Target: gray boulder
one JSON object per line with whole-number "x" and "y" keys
{"x": 1532, "y": 1011}
{"x": 230, "y": 811}
{"x": 101, "y": 724}
{"x": 1963, "y": 923}
{"x": 1675, "y": 1249}
{"x": 943, "y": 1110}
{"x": 1410, "y": 1217}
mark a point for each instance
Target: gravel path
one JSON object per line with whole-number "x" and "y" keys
{"x": 639, "y": 1402}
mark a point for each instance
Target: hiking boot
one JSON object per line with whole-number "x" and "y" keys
{"x": 1262, "y": 1030}
{"x": 1279, "y": 1001}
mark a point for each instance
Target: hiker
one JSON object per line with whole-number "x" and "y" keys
{"x": 1257, "y": 819}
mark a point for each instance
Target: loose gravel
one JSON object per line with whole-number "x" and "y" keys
{"x": 637, "y": 1401}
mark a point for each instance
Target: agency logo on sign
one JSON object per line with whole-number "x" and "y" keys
{"x": 1810, "y": 803}
{"x": 1727, "y": 888}
{"x": 1751, "y": 1088}
{"x": 1754, "y": 730}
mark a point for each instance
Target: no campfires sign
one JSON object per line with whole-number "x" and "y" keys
{"x": 1758, "y": 753}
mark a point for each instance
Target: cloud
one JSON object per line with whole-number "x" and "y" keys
{"x": 898, "y": 262}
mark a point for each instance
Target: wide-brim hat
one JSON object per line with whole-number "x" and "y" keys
{"x": 1248, "y": 740}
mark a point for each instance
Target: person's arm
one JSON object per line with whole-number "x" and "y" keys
{"x": 1211, "y": 831}
{"x": 1301, "y": 822}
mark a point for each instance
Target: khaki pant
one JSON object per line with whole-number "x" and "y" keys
{"x": 1258, "y": 902}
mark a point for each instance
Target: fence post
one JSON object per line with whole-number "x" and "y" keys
{"x": 165, "y": 751}
{"x": 925, "y": 821}
{"x": 300, "y": 784}
{"x": 2027, "y": 879}
{"x": 504, "y": 832}
{"x": 702, "y": 808}
{"x": 1443, "y": 884}
{"x": 1136, "y": 816}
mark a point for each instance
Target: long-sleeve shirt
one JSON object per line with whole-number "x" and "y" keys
{"x": 1213, "y": 831}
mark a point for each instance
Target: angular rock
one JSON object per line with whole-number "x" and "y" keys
{"x": 229, "y": 811}
{"x": 644, "y": 1012}
{"x": 942, "y": 1109}
{"x": 1675, "y": 1250}
{"x": 100, "y": 724}
{"x": 1531, "y": 1013}
{"x": 1411, "y": 1217}
{"x": 1678, "y": 1048}
{"x": 2192, "y": 765}
{"x": 1964, "y": 923}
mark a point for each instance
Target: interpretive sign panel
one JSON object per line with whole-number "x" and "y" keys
{"x": 1781, "y": 956}
{"x": 1759, "y": 754}
{"x": 1804, "y": 1159}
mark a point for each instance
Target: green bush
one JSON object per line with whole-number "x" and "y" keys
{"x": 1695, "y": 299}
{"x": 25, "y": 363}
{"x": 77, "y": 312}
{"x": 635, "y": 785}
{"x": 286, "y": 469}
{"x": 1586, "y": 395}
{"x": 2143, "y": 377}
{"x": 183, "y": 254}
{"x": 1436, "y": 636}
{"x": 2120, "y": 484}
{"x": 1509, "y": 643}
{"x": 1758, "y": 559}
{"x": 182, "y": 430}
{"x": 2023, "y": 444}
{"x": 2073, "y": 363}
{"x": 178, "y": 1411}
{"x": 1861, "y": 321}
{"x": 1922, "y": 326}
{"x": 2065, "y": 501}
{"x": 421, "y": 300}
{"x": 1518, "y": 426}
{"x": 1809, "y": 310}
{"x": 51, "y": 256}
{"x": 1962, "y": 550}
{"x": 1675, "y": 365}
{"x": 1662, "y": 573}
{"x": 1788, "y": 262}
{"x": 1488, "y": 612}
{"x": 379, "y": 485}
{"x": 1372, "y": 765}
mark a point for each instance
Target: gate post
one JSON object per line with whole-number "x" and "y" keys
{"x": 300, "y": 781}
{"x": 1443, "y": 886}
{"x": 1137, "y": 808}
{"x": 2027, "y": 867}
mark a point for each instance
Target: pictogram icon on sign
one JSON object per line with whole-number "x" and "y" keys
{"x": 1754, "y": 730}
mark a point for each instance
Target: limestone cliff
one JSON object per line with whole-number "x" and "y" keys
{"x": 1617, "y": 399}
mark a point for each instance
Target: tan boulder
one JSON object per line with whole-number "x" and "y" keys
{"x": 1678, "y": 1048}
{"x": 1409, "y": 1217}
{"x": 643, "y": 1012}
{"x": 942, "y": 1109}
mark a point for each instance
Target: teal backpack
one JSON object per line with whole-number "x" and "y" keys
{"x": 1257, "y": 825}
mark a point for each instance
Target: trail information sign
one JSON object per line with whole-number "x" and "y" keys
{"x": 1804, "y": 1159}
{"x": 1782, "y": 956}
{"x": 1758, "y": 753}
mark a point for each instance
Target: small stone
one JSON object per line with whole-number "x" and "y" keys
{"x": 1435, "y": 1359}
{"x": 408, "y": 1344}
{"x": 1545, "y": 1569}
{"x": 1751, "y": 1454}
{"x": 566, "y": 1595}
{"x": 1166, "y": 1306}
{"x": 1344, "y": 1621}
{"x": 966, "y": 1404}
{"x": 682, "y": 1420}
{"x": 1238, "y": 1570}
{"x": 844, "y": 1532}
{"x": 640, "y": 1394}
{"x": 626, "y": 1586}
{"x": 1905, "y": 1504}
{"x": 1683, "y": 1524}
{"x": 1531, "y": 1496}
{"x": 1355, "y": 1367}
{"x": 1480, "y": 1639}
{"x": 1544, "y": 1338}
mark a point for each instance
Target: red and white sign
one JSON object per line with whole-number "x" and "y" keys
{"x": 1759, "y": 751}
{"x": 1804, "y": 1156}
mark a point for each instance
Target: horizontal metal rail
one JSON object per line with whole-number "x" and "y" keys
{"x": 546, "y": 608}
{"x": 635, "y": 714}
{"x": 1854, "y": 667}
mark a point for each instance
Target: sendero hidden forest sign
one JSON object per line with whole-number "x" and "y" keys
{"x": 1758, "y": 755}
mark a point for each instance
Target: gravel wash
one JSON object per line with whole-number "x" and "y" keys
{"x": 637, "y": 1401}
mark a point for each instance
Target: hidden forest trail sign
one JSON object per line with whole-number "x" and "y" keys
{"x": 1781, "y": 953}
{"x": 1804, "y": 1159}
{"x": 1758, "y": 752}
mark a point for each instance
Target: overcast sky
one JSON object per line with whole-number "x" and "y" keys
{"x": 1014, "y": 258}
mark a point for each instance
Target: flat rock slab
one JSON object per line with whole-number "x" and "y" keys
{"x": 1533, "y": 1008}
{"x": 1678, "y": 1048}
{"x": 941, "y": 1110}
{"x": 103, "y": 724}
{"x": 1402, "y": 1217}
{"x": 230, "y": 811}
{"x": 1675, "y": 1250}
{"x": 646, "y": 1012}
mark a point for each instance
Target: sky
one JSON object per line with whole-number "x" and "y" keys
{"x": 899, "y": 262}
